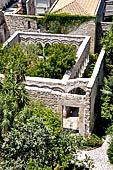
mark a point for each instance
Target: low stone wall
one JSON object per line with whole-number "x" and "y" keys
{"x": 106, "y": 26}
{"x": 30, "y": 7}
{"x": 89, "y": 29}
{"x": 17, "y": 22}
{"x": 95, "y": 81}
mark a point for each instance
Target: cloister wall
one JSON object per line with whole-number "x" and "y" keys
{"x": 59, "y": 94}
{"x": 16, "y": 22}
{"x": 95, "y": 81}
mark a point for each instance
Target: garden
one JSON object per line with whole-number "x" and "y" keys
{"x": 50, "y": 62}
{"x": 31, "y": 136}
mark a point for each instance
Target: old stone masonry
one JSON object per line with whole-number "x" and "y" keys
{"x": 74, "y": 95}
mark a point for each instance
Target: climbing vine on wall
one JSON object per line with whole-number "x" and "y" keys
{"x": 60, "y": 23}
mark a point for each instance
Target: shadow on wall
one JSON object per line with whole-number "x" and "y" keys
{"x": 99, "y": 35}
{"x": 4, "y": 31}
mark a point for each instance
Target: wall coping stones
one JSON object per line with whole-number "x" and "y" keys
{"x": 96, "y": 69}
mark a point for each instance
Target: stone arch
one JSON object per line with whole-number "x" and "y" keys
{"x": 78, "y": 91}
{"x": 40, "y": 47}
{"x": 46, "y": 48}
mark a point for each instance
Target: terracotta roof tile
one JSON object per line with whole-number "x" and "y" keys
{"x": 76, "y": 7}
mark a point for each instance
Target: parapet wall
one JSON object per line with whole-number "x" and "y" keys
{"x": 16, "y": 22}
{"x": 95, "y": 81}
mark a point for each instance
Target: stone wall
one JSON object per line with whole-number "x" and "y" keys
{"x": 106, "y": 26}
{"x": 45, "y": 38}
{"x": 89, "y": 29}
{"x": 2, "y": 33}
{"x": 2, "y": 27}
{"x": 30, "y": 7}
{"x": 17, "y": 22}
{"x": 102, "y": 27}
{"x": 95, "y": 81}
{"x": 3, "y": 3}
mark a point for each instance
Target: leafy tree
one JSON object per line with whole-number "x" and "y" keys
{"x": 32, "y": 50}
{"x": 110, "y": 148}
{"x": 107, "y": 99}
{"x": 27, "y": 140}
{"x": 32, "y": 144}
{"x": 13, "y": 96}
{"x": 107, "y": 43}
{"x": 50, "y": 118}
{"x": 92, "y": 60}
{"x": 59, "y": 58}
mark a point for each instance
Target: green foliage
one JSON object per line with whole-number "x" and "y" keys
{"x": 33, "y": 140}
{"x": 107, "y": 43}
{"x": 107, "y": 99}
{"x": 110, "y": 151}
{"x": 13, "y": 96}
{"x": 60, "y": 23}
{"x": 63, "y": 23}
{"x": 90, "y": 142}
{"x": 32, "y": 50}
{"x": 14, "y": 62}
{"x": 92, "y": 62}
{"x": 110, "y": 148}
{"x": 107, "y": 91}
{"x": 50, "y": 118}
{"x": 31, "y": 137}
{"x": 23, "y": 60}
{"x": 60, "y": 57}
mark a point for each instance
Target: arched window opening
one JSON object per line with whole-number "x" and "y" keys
{"x": 78, "y": 91}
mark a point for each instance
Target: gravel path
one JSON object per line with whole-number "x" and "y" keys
{"x": 100, "y": 157}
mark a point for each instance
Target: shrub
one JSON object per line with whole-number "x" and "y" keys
{"x": 92, "y": 62}
{"x": 13, "y": 96}
{"x": 33, "y": 140}
{"x": 23, "y": 59}
{"x": 110, "y": 148}
{"x": 63, "y": 23}
{"x": 110, "y": 151}
{"x": 107, "y": 99}
{"x": 60, "y": 58}
{"x": 89, "y": 142}
{"x": 107, "y": 43}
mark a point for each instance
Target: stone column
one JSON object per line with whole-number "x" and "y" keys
{"x": 64, "y": 111}
{"x": 2, "y": 35}
{"x": 81, "y": 121}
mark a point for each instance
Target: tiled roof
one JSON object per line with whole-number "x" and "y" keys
{"x": 76, "y": 7}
